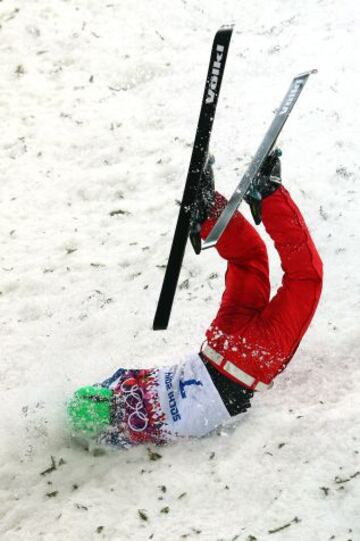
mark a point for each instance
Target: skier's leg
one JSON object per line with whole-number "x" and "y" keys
{"x": 255, "y": 354}
{"x": 247, "y": 286}
{"x": 293, "y": 306}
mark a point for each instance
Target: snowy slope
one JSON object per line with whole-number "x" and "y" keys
{"x": 98, "y": 106}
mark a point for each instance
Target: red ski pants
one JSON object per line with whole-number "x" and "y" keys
{"x": 253, "y": 338}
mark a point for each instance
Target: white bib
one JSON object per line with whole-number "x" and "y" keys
{"x": 163, "y": 404}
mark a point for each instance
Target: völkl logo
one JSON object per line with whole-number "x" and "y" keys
{"x": 215, "y": 72}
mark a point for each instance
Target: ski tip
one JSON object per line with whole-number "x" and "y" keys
{"x": 229, "y": 26}
{"x": 306, "y": 73}
{"x": 225, "y": 29}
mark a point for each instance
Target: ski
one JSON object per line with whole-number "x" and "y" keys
{"x": 265, "y": 148}
{"x": 199, "y": 153}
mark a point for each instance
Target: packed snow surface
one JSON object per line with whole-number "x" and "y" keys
{"x": 99, "y": 103}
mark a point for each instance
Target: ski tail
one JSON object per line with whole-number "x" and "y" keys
{"x": 265, "y": 148}
{"x": 214, "y": 77}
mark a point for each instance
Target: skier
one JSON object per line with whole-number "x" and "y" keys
{"x": 250, "y": 341}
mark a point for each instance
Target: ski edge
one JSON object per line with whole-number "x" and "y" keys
{"x": 163, "y": 310}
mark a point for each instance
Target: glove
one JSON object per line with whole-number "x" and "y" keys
{"x": 266, "y": 183}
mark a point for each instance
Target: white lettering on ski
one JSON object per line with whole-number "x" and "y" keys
{"x": 290, "y": 99}
{"x": 215, "y": 72}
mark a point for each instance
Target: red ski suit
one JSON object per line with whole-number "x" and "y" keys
{"x": 252, "y": 338}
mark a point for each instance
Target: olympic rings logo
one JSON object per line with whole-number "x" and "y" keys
{"x": 134, "y": 402}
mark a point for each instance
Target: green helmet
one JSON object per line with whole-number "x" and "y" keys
{"x": 89, "y": 410}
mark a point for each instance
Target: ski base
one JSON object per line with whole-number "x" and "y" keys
{"x": 265, "y": 148}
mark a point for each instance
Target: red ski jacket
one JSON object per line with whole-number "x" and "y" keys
{"x": 253, "y": 338}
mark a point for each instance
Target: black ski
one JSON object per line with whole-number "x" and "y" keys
{"x": 200, "y": 149}
{"x": 263, "y": 151}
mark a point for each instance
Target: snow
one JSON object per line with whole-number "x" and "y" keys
{"x": 99, "y": 103}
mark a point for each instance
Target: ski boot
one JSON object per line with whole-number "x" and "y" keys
{"x": 266, "y": 183}
{"x": 203, "y": 204}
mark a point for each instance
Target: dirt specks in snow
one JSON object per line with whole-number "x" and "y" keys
{"x": 142, "y": 514}
{"x": 344, "y": 172}
{"x": 295, "y": 520}
{"x": 153, "y": 455}
{"x": 81, "y": 507}
{"x": 120, "y": 212}
{"x": 52, "y": 494}
{"x": 52, "y": 468}
{"x": 322, "y": 213}
{"x": 19, "y": 70}
{"x": 340, "y": 481}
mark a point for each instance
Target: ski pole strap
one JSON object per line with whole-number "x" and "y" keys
{"x": 234, "y": 371}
